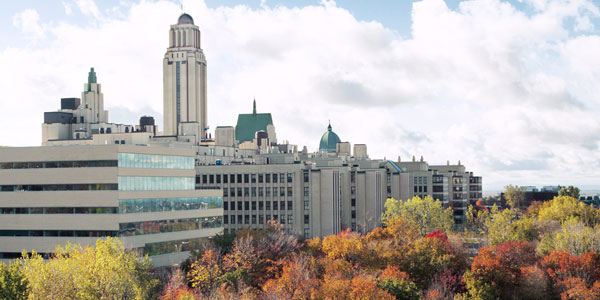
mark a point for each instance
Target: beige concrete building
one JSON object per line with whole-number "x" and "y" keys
{"x": 145, "y": 195}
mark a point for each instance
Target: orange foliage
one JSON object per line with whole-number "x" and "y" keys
{"x": 574, "y": 277}
{"x": 393, "y": 273}
{"x": 296, "y": 281}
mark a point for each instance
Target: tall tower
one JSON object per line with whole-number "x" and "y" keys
{"x": 93, "y": 100}
{"x": 184, "y": 81}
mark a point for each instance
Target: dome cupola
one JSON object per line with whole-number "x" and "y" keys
{"x": 185, "y": 19}
{"x": 329, "y": 141}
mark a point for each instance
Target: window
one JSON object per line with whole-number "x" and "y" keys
{"x": 415, "y": 180}
{"x": 289, "y": 191}
{"x": 268, "y": 205}
{"x": 282, "y": 219}
{"x": 306, "y": 219}
{"x": 425, "y": 189}
{"x": 282, "y": 192}
{"x": 261, "y": 219}
{"x": 289, "y": 177}
{"x": 232, "y": 178}
{"x": 225, "y": 219}
{"x": 218, "y": 178}
{"x": 389, "y": 178}
{"x": 197, "y": 179}
{"x": 306, "y": 232}
{"x": 247, "y": 205}
{"x": 226, "y": 205}
{"x": 232, "y": 192}
{"x": 246, "y": 219}
{"x": 305, "y": 175}
{"x": 225, "y": 177}
{"x": 306, "y": 205}
{"x": 204, "y": 179}
{"x": 253, "y": 219}
{"x": 290, "y": 219}
{"x": 352, "y": 177}
{"x": 225, "y": 190}
{"x": 239, "y": 192}
{"x": 211, "y": 178}
{"x": 275, "y": 192}
{"x": 261, "y": 205}
{"x": 246, "y": 178}
{"x": 420, "y": 180}
{"x": 353, "y": 202}
{"x": 282, "y": 205}
{"x": 260, "y": 178}
{"x": 239, "y": 178}
{"x": 267, "y": 178}
{"x": 275, "y": 178}
{"x": 275, "y": 205}
{"x": 268, "y": 192}
{"x": 306, "y": 192}
{"x": 353, "y": 214}
{"x": 253, "y": 192}
{"x": 268, "y": 218}
{"x": 416, "y": 188}
{"x": 246, "y": 192}
{"x": 289, "y": 205}
{"x": 253, "y": 178}
{"x": 352, "y": 190}
{"x": 253, "y": 205}
{"x": 281, "y": 178}
{"x": 261, "y": 191}
{"x": 239, "y": 219}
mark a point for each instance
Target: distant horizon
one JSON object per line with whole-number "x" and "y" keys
{"x": 480, "y": 82}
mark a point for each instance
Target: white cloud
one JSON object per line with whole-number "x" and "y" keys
{"x": 68, "y": 9}
{"x": 513, "y": 95}
{"x": 88, "y": 8}
{"x": 28, "y": 22}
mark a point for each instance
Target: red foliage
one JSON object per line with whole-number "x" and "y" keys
{"x": 574, "y": 276}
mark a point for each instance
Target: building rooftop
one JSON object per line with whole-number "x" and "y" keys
{"x": 329, "y": 141}
{"x": 248, "y": 124}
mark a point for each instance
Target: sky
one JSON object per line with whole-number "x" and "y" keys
{"x": 509, "y": 88}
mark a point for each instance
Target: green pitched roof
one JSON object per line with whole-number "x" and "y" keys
{"x": 248, "y": 124}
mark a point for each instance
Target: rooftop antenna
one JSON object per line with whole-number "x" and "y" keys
{"x": 182, "y": 10}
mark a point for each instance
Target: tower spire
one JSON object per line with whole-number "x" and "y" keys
{"x": 254, "y": 106}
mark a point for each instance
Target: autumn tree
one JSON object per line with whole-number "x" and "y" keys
{"x": 563, "y": 208}
{"x": 574, "y": 237}
{"x": 105, "y": 271}
{"x": 13, "y": 284}
{"x": 514, "y": 195}
{"x": 509, "y": 225}
{"x": 398, "y": 284}
{"x": 497, "y": 271}
{"x": 176, "y": 289}
{"x": 205, "y": 272}
{"x": 297, "y": 281}
{"x": 570, "y": 191}
{"x": 428, "y": 214}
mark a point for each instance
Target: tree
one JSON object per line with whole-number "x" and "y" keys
{"x": 574, "y": 277}
{"x": 176, "y": 289}
{"x": 509, "y": 225}
{"x": 13, "y": 285}
{"x": 570, "y": 191}
{"x": 562, "y": 208}
{"x": 574, "y": 237}
{"x": 105, "y": 271}
{"x": 297, "y": 281}
{"x": 426, "y": 213}
{"x": 205, "y": 272}
{"x": 497, "y": 271}
{"x": 515, "y": 195}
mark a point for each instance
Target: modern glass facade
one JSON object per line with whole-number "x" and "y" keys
{"x": 76, "y": 233}
{"x": 59, "y": 164}
{"x": 151, "y": 161}
{"x": 168, "y": 204}
{"x": 163, "y": 226}
{"x": 155, "y": 183}
{"x": 173, "y": 246}
{"x": 58, "y": 187}
{"x": 57, "y": 210}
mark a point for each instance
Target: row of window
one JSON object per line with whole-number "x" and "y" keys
{"x": 261, "y": 205}
{"x": 244, "y": 178}
{"x": 75, "y": 233}
{"x": 420, "y": 189}
{"x": 155, "y": 183}
{"x": 168, "y": 204}
{"x": 58, "y": 187}
{"x": 153, "y": 161}
{"x": 257, "y": 220}
{"x": 152, "y": 249}
{"x": 162, "y": 226}
{"x": 260, "y": 192}
{"x": 57, "y": 210}
{"x": 420, "y": 180}
{"x": 59, "y": 164}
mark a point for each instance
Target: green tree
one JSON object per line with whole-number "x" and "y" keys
{"x": 426, "y": 213}
{"x": 105, "y": 271}
{"x": 509, "y": 225}
{"x": 563, "y": 208}
{"x": 574, "y": 237}
{"x": 514, "y": 195}
{"x": 13, "y": 285}
{"x": 570, "y": 191}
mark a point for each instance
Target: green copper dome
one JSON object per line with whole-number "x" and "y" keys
{"x": 329, "y": 140}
